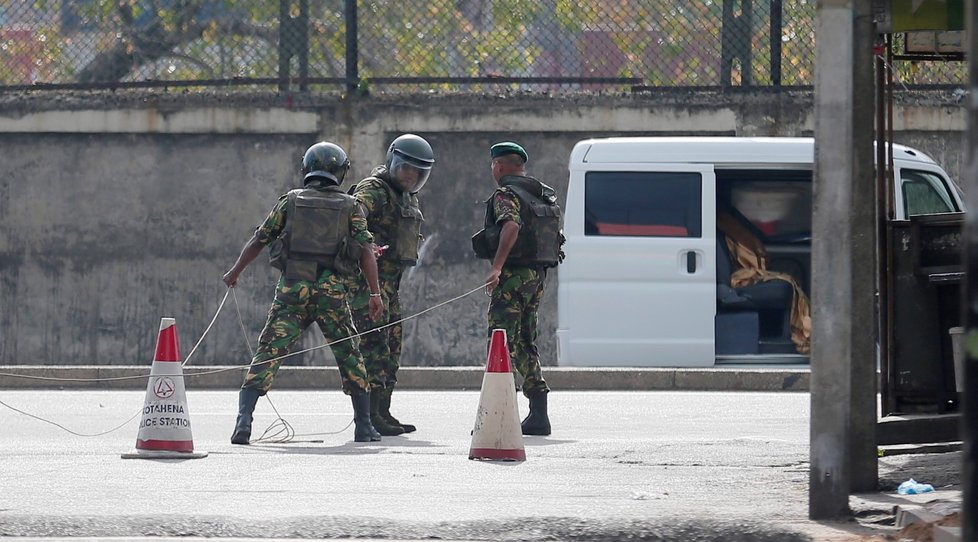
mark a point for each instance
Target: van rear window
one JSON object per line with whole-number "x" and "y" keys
{"x": 642, "y": 204}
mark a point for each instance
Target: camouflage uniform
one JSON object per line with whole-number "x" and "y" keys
{"x": 299, "y": 303}
{"x": 515, "y": 301}
{"x": 381, "y": 349}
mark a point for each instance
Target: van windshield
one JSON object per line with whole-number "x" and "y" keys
{"x": 924, "y": 193}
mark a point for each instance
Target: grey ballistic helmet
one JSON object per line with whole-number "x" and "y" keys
{"x": 326, "y": 160}
{"x": 409, "y": 161}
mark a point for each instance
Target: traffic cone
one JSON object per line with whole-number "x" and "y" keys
{"x": 164, "y": 431}
{"x": 497, "y": 434}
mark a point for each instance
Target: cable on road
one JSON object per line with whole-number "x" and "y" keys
{"x": 280, "y": 431}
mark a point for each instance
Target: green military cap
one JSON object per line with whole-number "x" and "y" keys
{"x": 508, "y": 147}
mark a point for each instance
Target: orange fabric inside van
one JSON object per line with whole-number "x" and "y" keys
{"x": 642, "y": 230}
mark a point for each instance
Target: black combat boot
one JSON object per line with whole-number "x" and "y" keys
{"x": 378, "y": 421}
{"x": 363, "y": 431}
{"x": 247, "y": 399}
{"x": 537, "y": 422}
{"x": 385, "y": 410}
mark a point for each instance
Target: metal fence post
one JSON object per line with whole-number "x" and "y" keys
{"x": 284, "y": 57}
{"x": 302, "y": 44}
{"x": 735, "y": 42}
{"x": 293, "y": 41}
{"x": 777, "y": 26}
{"x": 352, "y": 53}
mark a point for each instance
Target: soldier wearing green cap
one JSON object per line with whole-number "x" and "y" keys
{"x": 521, "y": 239}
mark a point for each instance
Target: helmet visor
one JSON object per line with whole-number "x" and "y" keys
{"x": 409, "y": 175}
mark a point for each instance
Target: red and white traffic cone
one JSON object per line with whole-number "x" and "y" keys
{"x": 497, "y": 434}
{"x": 164, "y": 430}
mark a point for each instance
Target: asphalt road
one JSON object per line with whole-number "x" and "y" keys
{"x": 619, "y": 466}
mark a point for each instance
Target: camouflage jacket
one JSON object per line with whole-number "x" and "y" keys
{"x": 394, "y": 219}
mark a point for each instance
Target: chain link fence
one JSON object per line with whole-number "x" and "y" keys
{"x": 397, "y": 45}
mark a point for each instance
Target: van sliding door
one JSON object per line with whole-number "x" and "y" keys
{"x": 638, "y": 286}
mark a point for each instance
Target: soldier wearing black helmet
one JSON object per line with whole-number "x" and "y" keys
{"x": 319, "y": 237}
{"x": 389, "y": 198}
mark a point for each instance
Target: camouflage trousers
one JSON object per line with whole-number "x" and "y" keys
{"x": 513, "y": 307}
{"x": 381, "y": 349}
{"x": 297, "y": 304}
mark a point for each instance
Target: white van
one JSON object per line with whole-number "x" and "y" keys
{"x": 639, "y": 286}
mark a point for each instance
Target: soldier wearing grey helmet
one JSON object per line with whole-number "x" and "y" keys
{"x": 389, "y": 196}
{"x": 319, "y": 237}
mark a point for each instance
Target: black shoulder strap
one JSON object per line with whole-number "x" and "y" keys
{"x": 490, "y": 213}
{"x": 523, "y": 194}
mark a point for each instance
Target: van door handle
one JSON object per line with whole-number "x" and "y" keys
{"x": 690, "y": 262}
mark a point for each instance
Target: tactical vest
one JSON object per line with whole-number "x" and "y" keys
{"x": 317, "y": 227}
{"x": 539, "y": 239}
{"x": 403, "y": 232}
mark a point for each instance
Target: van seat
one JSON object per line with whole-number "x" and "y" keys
{"x": 769, "y": 301}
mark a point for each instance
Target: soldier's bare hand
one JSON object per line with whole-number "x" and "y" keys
{"x": 231, "y": 279}
{"x": 376, "y": 308}
{"x": 492, "y": 280}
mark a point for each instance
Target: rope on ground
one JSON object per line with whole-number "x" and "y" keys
{"x": 280, "y": 430}
{"x": 131, "y": 418}
{"x": 58, "y": 425}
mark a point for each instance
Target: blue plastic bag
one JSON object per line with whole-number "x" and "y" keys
{"x": 913, "y": 487}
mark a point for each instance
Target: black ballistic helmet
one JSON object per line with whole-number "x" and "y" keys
{"x": 326, "y": 160}
{"x": 413, "y": 152}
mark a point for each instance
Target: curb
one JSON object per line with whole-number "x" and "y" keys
{"x": 416, "y": 378}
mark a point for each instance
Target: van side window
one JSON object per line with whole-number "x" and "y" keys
{"x": 924, "y": 192}
{"x": 642, "y": 204}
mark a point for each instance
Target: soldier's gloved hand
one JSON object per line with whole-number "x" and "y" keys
{"x": 376, "y": 307}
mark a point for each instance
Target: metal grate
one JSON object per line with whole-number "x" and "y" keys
{"x": 398, "y": 45}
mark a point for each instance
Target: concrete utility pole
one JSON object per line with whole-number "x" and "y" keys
{"x": 969, "y": 409}
{"x": 843, "y": 414}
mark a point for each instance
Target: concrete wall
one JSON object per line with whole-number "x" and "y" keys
{"x": 116, "y": 210}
